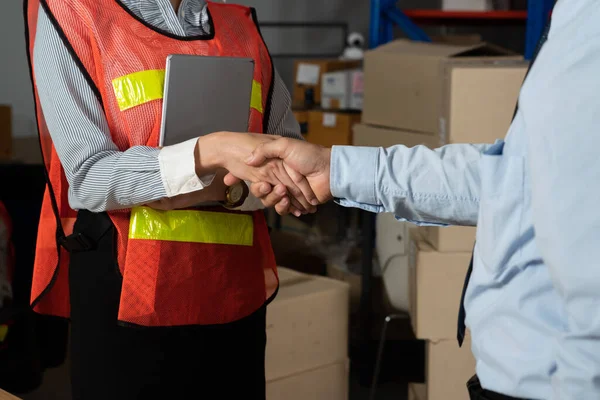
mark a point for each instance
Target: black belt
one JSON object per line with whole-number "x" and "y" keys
{"x": 476, "y": 392}
{"x": 94, "y": 230}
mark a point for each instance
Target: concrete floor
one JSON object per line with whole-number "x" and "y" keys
{"x": 56, "y": 387}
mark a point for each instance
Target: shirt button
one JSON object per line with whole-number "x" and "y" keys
{"x": 194, "y": 184}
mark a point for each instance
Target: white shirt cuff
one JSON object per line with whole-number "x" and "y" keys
{"x": 178, "y": 169}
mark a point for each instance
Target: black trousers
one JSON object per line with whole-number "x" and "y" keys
{"x": 476, "y": 392}
{"x": 112, "y": 361}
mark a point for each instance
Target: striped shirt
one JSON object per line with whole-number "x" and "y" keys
{"x": 102, "y": 178}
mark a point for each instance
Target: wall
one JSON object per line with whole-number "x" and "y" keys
{"x": 15, "y": 86}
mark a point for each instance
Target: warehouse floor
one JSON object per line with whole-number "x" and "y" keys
{"x": 403, "y": 361}
{"x": 56, "y": 387}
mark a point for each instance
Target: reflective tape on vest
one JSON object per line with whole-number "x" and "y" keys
{"x": 256, "y": 98}
{"x": 3, "y": 332}
{"x": 145, "y": 86}
{"x": 139, "y": 88}
{"x": 192, "y": 226}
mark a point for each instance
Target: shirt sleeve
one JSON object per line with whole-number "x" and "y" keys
{"x": 101, "y": 178}
{"x": 419, "y": 185}
{"x": 562, "y": 120}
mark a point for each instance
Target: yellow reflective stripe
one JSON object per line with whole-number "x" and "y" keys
{"x": 256, "y": 98}
{"x": 3, "y": 332}
{"x": 191, "y": 226}
{"x": 139, "y": 88}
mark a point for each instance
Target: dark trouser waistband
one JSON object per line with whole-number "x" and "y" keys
{"x": 476, "y": 392}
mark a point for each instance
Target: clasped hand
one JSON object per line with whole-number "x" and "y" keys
{"x": 288, "y": 174}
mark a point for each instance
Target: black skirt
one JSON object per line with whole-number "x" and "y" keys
{"x": 113, "y": 361}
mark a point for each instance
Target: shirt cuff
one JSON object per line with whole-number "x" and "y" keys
{"x": 178, "y": 169}
{"x": 352, "y": 204}
{"x": 353, "y": 174}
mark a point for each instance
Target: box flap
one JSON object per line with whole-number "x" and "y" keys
{"x": 439, "y": 50}
{"x": 485, "y": 50}
{"x": 422, "y": 245}
{"x": 311, "y": 286}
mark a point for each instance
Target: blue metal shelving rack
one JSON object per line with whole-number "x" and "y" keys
{"x": 385, "y": 14}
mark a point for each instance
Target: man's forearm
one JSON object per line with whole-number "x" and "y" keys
{"x": 417, "y": 184}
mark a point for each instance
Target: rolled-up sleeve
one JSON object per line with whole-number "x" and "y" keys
{"x": 418, "y": 184}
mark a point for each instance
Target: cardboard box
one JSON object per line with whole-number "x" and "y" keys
{"x": 467, "y": 5}
{"x": 460, "y": 93}
{"x": 369, "y": 135}
{"x": 448, "y": 369}
{"x": 325, "y": 383}
{"x": 342, "y": 90}
{"x": 7, "y": 396}
{"x": 302, "y": 118}
{"x": 308, "y": 78}
{"x": 417, "y": 391}
{"x": 451, "y": 239}
{"x": 480, "y": 102}
{"x": 5, "y": 132}
{"x": 307, "y": 324}
{"x": 331, "y": 128}
{"x": 436, "y": 282}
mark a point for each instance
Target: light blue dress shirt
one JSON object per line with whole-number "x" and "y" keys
{"x": 533, "y": 302}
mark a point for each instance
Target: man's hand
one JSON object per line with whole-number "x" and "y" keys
{"x": 231, "y": 151}
{"x": 303, "y": 162}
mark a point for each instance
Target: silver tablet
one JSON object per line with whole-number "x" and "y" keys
{"x": 205, "y": 95}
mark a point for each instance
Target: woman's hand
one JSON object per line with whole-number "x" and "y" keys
{"x": 214, "y": 192}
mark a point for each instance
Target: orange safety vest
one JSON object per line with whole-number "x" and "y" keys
{"x": 182, "y": 267}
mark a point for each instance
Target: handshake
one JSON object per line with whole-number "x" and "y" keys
{"x": 288, "y": 174}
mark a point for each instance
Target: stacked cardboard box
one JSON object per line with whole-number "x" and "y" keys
{"x": 331, "y": 128}
{"x": 434, "y": 94}
{"x": 437, "y": 275}
{"x": 5, "y": 132}
{"x": 447, "y": 369}
{"x": 450, "y": 239}
{"x": 307, "y": 331}
{"x": 308, "y": 79}
{"x": 7, "y": 396}
{"x": 474, "y": 5}
{"x": 342, "y": 90}
{"x": 327, "y": 100}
